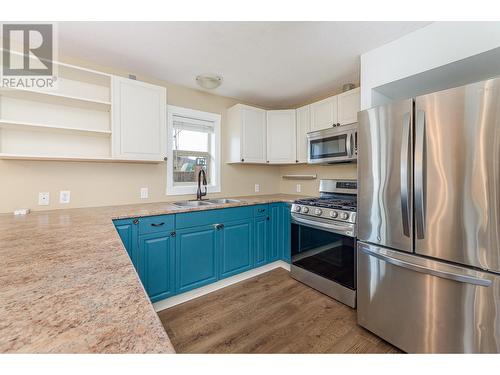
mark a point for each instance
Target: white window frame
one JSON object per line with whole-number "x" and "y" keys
{"x": 215, "y": 118}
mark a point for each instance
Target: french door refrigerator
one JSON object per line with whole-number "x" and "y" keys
{"x": 429, "y": 221}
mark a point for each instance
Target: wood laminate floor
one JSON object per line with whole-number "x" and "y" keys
{"x": 270, "y": 313}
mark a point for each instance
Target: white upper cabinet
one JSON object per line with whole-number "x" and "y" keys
{"x": 303, "y": 116}
{"x": 348, "y": 106}
{"x": 324, "y": 113}
{"x": 246, "y": 134}
{"x": 281, "y": 137}
{"x": 139, "y": 120}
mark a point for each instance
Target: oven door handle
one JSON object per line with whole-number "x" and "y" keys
{"x": 330, "y": 227}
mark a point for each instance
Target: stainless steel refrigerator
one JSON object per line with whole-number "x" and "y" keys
{"x": 428, "y": 271}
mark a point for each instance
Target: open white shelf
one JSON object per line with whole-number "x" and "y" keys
{"x": 57, "y": 98}
{"x": 7, "y": 156}
{"x": 8, "y": 124}
{"x": 73, "y": 121}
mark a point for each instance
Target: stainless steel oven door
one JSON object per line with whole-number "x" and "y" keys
{"x": 336, "y": 145}
{"x": 326, "y": 252}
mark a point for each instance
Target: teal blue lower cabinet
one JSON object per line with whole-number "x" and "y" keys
{"x": 275, "y": 250}
{"x": 156, "y": 264}
{"x": 261, "y": 240}
{"x": 280, "y": 232}
{"x": 128, "y": 232}
{"x": 197, "y": 257}
{"x": 236, "y": 247}
{"x": 287, "y": 235}
{"x": 177, "y": 253}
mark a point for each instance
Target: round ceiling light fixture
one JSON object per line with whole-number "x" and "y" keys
{"x": 209, "y": 81}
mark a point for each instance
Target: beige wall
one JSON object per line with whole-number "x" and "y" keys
{"x": 310, "y": 187}
{"x": 99, "y": 184}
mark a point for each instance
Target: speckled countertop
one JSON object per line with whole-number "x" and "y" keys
{"x": 67, "y": 284}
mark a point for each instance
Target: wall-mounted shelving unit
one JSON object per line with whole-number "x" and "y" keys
{"x": 74, "y": 120}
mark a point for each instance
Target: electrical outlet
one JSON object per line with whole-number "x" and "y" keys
{"x": 43, "y": 199}
{"x": 64, "y": 196}
{"x": 298, "y": 188}
{"x": 144, "y": 193}
{"x": 257, "y": 188}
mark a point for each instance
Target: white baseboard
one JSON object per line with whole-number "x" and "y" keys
{"x": 192, "y": 294}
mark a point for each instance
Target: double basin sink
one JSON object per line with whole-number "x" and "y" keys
{"x": 207, "y": 202}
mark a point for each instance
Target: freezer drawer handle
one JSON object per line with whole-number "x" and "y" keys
{"x": 430, "y": 271}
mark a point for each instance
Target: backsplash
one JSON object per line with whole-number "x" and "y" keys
{"x": 310, "y": 187}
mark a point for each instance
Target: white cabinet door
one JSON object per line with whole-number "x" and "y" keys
{"x": 253, "y": 135}
{"x": 348, "y": 106}
{"x": 303, "y": 116}
{"x": 281, "y": 137}
{"x": 139, "y": 123}
{"x": 324, "y": 113}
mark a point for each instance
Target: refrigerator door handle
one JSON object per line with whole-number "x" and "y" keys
{"x": 434, "y": 271}
{"x": 405, "y": 174}
{"x": 420, "y": 173}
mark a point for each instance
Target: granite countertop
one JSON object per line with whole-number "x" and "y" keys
{"x": 67, "y": 284}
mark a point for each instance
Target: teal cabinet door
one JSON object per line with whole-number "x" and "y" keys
{"x": 197, "y": 251}
{"x": 280, "y": 228}
{"x": 127, "y": 230}
{"x": 287, "y": 233}
{"x": 261, "y": 240}
{"x": 156, "y": 264}
{"x": 275, "y": 228}
{"x": 236, "y": 252}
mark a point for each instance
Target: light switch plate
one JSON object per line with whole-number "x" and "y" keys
{"x": 298, "y": 188}
{"x": 257, "y": 188}
{"x": 144, "y": 193}
{"x": 64, "y": 196}
{"x": 43, "y": 199}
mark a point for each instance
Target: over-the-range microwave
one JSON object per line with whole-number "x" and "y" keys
{"x": 334, "y": 145}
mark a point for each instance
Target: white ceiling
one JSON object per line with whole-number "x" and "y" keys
{"x": 272, "y": 64}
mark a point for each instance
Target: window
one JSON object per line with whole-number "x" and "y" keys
{"x": 193, "y": 144}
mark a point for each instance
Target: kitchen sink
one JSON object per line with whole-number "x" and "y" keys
{"x": 207, "y": 202}
{"x": 192, "y": 203}
{"x": 223, "y": 201}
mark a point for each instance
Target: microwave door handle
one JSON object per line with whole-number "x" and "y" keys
{"x": 420, "y": 173}
{"x": 405, "y": 174}
{"x": 349, "y": 146}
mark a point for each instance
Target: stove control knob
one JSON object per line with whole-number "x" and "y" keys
{"x": 318, "y": 211}
{"x": 305, "y": 210}
{"x": 297, "y": 208}
{"x": 334, "y": 214}
{"x": 344, "y": 216}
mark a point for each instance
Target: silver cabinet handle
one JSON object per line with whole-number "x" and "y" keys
{"x": 420, "y": 173}
{"x": 434, "y": 271}
{"x": 405, "y": 174}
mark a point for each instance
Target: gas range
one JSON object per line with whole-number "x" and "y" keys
{"x": 323, "y": 240}
{"x": 336, "y": 203}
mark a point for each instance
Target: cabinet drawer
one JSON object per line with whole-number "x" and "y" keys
{"x": 194, "y": 219}
{"x": 261, "y": 210}
{"x": 236, "y": 213}
{"x": 154, "y": 224}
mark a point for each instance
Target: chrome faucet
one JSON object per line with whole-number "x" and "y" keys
{"x": 199, "y": 193}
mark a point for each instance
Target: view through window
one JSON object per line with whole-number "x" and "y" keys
{"x": 193, "y": 145}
